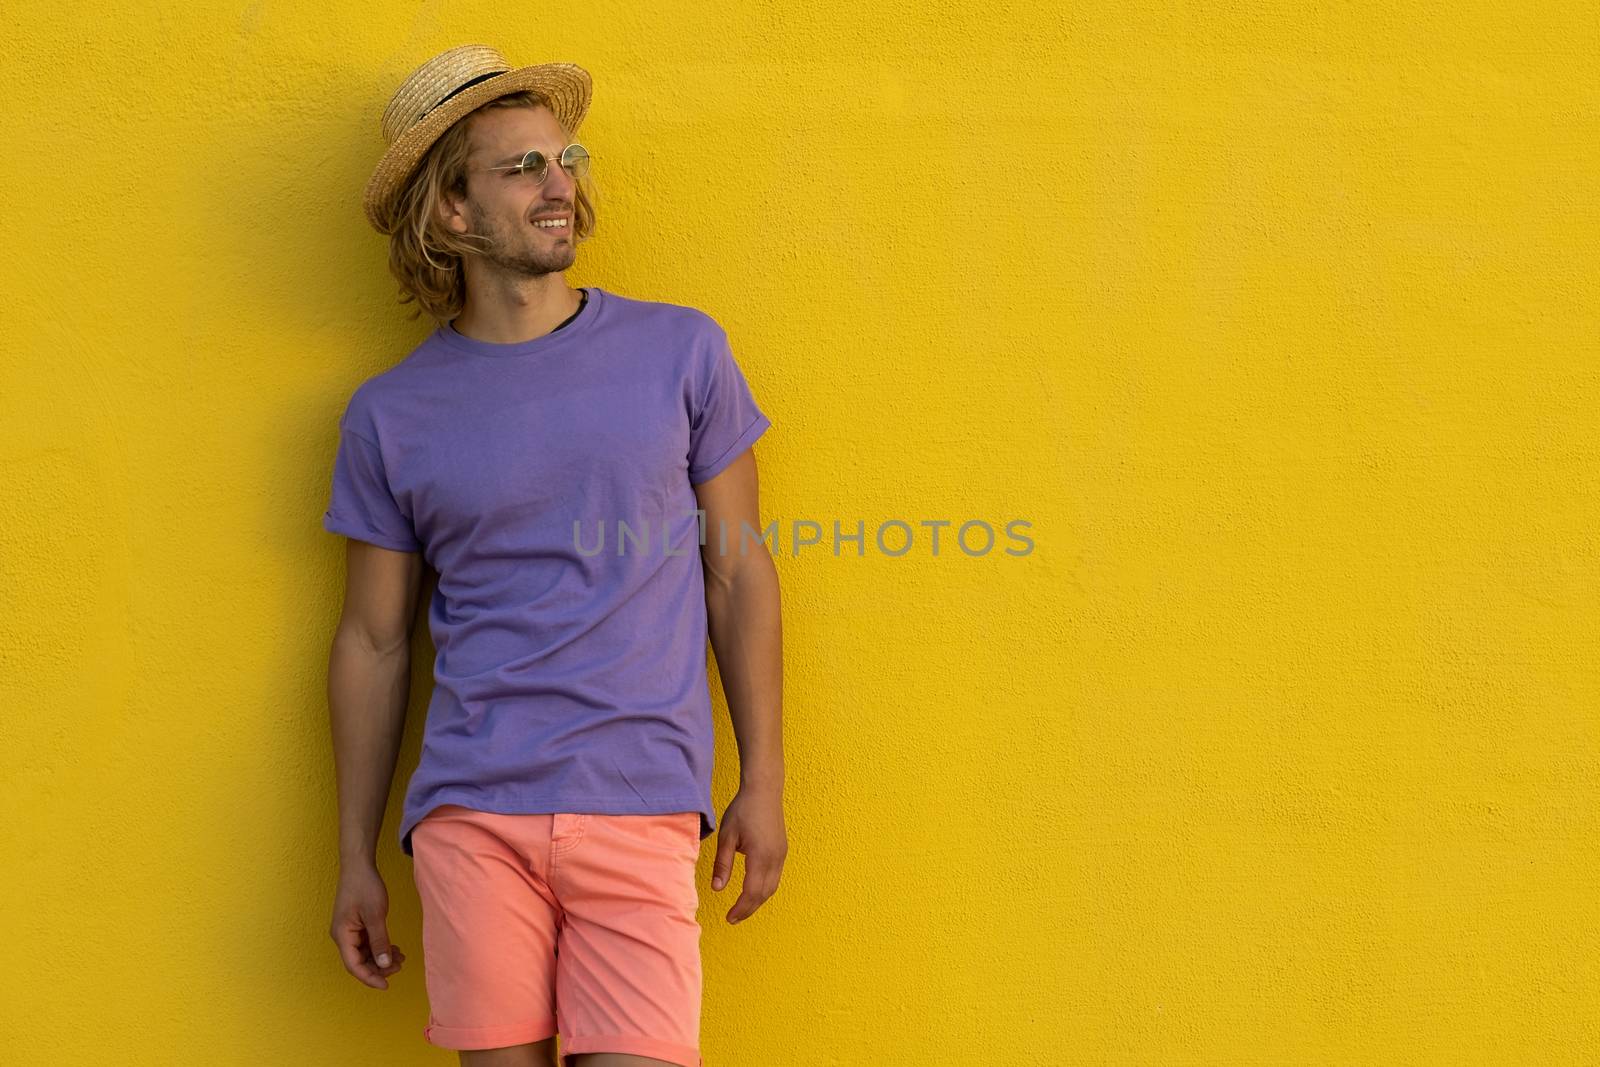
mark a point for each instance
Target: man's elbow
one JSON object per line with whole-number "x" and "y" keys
{"x": 740, "y": 574}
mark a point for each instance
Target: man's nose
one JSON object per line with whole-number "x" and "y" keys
{"x": 558, "y": 184}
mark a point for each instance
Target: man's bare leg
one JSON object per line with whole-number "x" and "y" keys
{"x": 615, "y": 1059}
{"x": 535, "y": 1054}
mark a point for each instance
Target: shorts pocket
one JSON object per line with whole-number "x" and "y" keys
{"x": 676, "y": 830}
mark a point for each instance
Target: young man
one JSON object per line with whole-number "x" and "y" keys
{"x": 576, "y": 468}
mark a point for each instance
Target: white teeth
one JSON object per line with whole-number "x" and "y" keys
{"x": 550, "y": 224}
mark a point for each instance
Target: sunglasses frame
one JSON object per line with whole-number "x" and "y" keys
{"x": 524, "y": 166}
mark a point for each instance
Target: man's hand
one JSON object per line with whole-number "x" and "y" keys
{"x": 359, "y": 911}
{"x": 752, "y": 824}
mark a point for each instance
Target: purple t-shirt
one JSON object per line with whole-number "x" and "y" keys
{"x": 571, "y": 663}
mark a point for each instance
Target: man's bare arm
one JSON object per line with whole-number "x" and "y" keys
{"x": 743, "y": 617}
{"x": 369, "y": 678}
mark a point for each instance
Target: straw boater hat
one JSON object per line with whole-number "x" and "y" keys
{"x": 448, "y": 87}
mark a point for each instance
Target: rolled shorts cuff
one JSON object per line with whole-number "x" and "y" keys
{"x": 479, "y": 1037}
{"x": 685, "y": 1055}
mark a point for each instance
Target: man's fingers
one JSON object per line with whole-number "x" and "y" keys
{"x": 378, "y": 939}
{"x": 760, "y": 882}
{"x": 747, "y": 903}
{"x": 722, "y": 868}
{"x": 350, "y": 951}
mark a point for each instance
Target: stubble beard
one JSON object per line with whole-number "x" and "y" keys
{"x": 522, "y": 249}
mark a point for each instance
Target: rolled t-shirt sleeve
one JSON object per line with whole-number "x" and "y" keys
{"x": 724, "y": 420}
{"x": 361, "y": 504}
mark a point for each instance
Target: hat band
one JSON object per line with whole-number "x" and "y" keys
{"x": 460, "y": 88}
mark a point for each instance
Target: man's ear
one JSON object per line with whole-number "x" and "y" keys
{"x": 448, "y": 212}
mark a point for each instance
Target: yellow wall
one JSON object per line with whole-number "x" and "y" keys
{"x": 1277, "y": 323}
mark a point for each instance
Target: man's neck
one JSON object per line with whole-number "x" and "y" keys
{"x": 521, "y": 316}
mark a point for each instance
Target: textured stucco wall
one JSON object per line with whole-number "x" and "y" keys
{"x": 1277, "y": 323}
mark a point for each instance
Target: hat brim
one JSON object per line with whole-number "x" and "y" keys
{"x": 566, "y": 85}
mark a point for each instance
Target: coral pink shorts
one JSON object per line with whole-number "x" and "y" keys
{"x": 582, "y": 924}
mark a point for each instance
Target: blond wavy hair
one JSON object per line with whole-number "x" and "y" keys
{"x": 425, "y": 257}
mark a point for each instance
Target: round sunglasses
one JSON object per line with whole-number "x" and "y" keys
{"x": 534, "y": 164}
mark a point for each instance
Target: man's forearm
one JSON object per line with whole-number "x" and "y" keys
{"x": 744, "y": 620}
{"x": 367, "y": 693}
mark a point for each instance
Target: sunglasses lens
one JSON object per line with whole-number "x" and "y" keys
{"x": 576, "y": 160}
{"x": 533, "y": 165}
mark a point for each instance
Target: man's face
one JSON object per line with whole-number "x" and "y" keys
{"x": 502, "y": 205}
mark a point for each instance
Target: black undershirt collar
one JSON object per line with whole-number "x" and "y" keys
{"x": 583, "y": 298}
